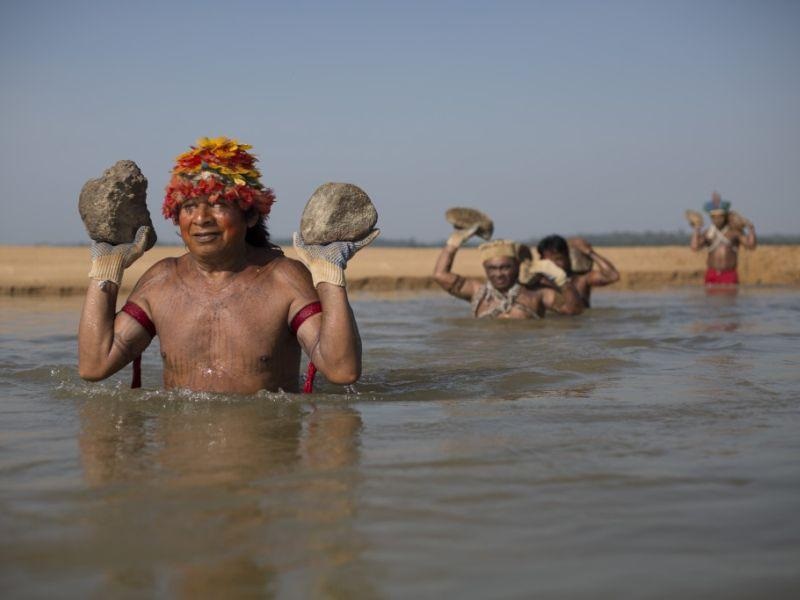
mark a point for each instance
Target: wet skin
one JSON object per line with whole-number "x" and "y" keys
{"x": 725, "y": 256}
{"x": 222, "y": 313}
{"x": 604, "y": 274}
{"x": 502, "y": 273}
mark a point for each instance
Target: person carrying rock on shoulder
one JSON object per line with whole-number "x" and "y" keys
{"x": 233, "y": 313}
{"x": 583, "y": 276}
{"x": 721, "y": 240}
{"x": 502, "y": 296}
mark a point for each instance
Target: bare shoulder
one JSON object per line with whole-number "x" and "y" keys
{"x": 156, "y": 283}
{"x": 289, "y": 271}
{"x": 161, "y": 274}
{"x": 290, "y": 277}
{"x": 531, "y": 297}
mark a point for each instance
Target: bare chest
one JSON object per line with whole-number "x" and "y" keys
{"x": 724, "y": 256}
{"x": 226, "y": 340}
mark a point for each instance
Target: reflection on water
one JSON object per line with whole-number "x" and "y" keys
{"x": 646, "y": 449}
{"x": 203, "y": 494}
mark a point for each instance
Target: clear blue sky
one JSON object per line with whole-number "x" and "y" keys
{"x": 550, "y": 116}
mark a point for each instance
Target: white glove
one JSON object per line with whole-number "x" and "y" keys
{"x": 550, "y": 270}
{"x": 327, "y": 262}
{"x": 459, "y": 236}
{"x": 109, "y": 261}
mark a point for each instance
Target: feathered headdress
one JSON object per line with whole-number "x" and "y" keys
{"x": 221, "y": 169}
{"x": 717, "y": 205}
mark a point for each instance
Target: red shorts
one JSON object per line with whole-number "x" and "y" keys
{"x": 714, "y": 277}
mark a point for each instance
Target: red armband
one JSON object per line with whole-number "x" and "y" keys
{"x": 137, "y": 312}
{"x": 304, "y": 313}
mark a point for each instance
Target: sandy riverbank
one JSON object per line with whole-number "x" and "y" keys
{"x": 62, "y": 270}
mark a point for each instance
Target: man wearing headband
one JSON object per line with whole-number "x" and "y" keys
{"x": 502, "y": 296}
{"x": 721, "y": 240}
{"x": 233, "y": 313}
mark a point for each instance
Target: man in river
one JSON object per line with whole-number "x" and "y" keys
{"x": 502, "y": 296}
{"x": 232, "y": 314}
{"x": 722, "y": 242}
{"x": 557, "y": 249}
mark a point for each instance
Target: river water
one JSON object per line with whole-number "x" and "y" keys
{"x": 647, "y": 449}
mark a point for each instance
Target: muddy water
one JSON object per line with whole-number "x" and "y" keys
{"x": 649, "y": 449}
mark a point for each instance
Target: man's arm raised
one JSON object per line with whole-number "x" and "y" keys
{"x": 334, "y": 346}
{"x": 331, "y": 341}
{"x": 606, "y": 272}
{"x": 107, "y": 342}
{"x": 698, "y": 240}
{"x": 749, "y": 238}
{"x": 453, "y": 284}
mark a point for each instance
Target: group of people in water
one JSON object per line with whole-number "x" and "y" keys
{"x": 519, "y": 287}
{"x": 233, "y": 314}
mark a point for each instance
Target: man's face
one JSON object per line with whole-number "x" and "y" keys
{"x": 501, "y": 272}
{"x": 210, "y": 229}
{"x": 719, "y": 219}
{"x": 561, "y": 260}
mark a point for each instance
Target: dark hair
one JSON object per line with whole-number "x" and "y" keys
{"x": 258, "y": 235}
{"x": 553, "y": 243}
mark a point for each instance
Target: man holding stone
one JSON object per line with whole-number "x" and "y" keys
{"x": 726, "y": 233}
{"x": 579, "y": 269}
{"x": 233, "y": 314}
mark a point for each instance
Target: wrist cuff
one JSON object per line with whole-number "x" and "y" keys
{"x": 108, "y": 268}
{"x": 323, "y": 271}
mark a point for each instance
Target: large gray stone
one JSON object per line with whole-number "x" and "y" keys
{"x": 114, "y": 206}
{"x": 464, "y": 218}
{"x": 337, "y": 212}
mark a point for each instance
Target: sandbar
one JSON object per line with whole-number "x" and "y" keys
{"x": 62, "y": 270}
